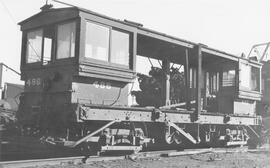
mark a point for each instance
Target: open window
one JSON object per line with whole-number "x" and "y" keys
{"x": 48, "y": 45}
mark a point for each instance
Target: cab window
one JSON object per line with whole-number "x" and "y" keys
{"x": 48, "y": 45}
{"x": 41, "y": 43}
{"x": 66, "y": 34}
{"x": 107, "y": 44}
{"x": 97, "y": 42}
{"x": 255, "y": 79}
{"x": 249, "y": 77}
{"x": 120, "y": 47}
{"x": 34, "y": 46}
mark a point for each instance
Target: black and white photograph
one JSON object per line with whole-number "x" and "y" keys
{"x": 135, "y": 84}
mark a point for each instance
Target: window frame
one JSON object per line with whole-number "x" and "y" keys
{"x": 108, "y": 62}
{"x": 56, "y": 39}
{"x": 229, "y": 82}
{"x": 258, "y": 81}
{"x": 243, "y": 92}
{"x": 109, "y": 46}
{"x": 129, "y": 47}
{"x": 53, "y": 45}
{"x": 26, "y": 46}
{"x": 54, "y": 60}
{"x": 213, "y": 81}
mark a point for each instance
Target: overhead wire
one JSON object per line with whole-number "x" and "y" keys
{"x": 8, "y": 12}
{"x": 14, "y": 21}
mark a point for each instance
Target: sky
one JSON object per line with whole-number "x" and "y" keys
{"x": 232, "y": 26}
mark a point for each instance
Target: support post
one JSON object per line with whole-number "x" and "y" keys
{"x": 166, "y": 68}
{"x": 186, "y": 66}
{"x": 198, "y": 83}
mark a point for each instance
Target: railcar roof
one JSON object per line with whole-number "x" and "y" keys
{"x": 144, "y": 31}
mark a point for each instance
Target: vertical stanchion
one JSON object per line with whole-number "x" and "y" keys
{"x": 198, "y": 83}
{"x": 186, "y": 66}
{"x": 166, "y": 68}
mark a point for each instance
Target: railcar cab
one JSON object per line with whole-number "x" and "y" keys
{"x": 83, "y": 55}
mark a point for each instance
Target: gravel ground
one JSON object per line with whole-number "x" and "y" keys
{"x": 208, "y": 160}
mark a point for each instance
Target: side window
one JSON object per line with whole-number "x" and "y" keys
{"x": 66, "y": 34}
{"x": 245, "y": 73}
{"x": 34, "y": 46}
{"x": 107, "y": 44}
{"x": 228, "y": 78}
{"x": 249, "y": 77}
{"x": 97, "y": 41}
{"x": 212, "y": 82}
{"x": 255, "y": 79}
{"x": 120, "y": 48}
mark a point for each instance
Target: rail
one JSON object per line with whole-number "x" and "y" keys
{"x": 152, "y": 154}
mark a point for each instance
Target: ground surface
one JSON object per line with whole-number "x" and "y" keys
{"x": 207, "y": 160}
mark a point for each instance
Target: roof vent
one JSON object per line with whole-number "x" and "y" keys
{"x": 133, "y": 23}
{"x": 46, "y": 6}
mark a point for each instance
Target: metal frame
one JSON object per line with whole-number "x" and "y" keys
{"x": 103, "y": 113}
{"x": 74, "y": 144}
{"x": 120, "y": 148}
{"x": 267, "y": 45}
{"x": 185, "y": 134}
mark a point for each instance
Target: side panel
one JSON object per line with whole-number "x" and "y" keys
{"x": 99, "y": 91}
{"x": 244, "y": 107}
{"x": 46, "y": 99}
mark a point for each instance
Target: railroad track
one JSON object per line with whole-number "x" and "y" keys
{"x": 81, "y": 159}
